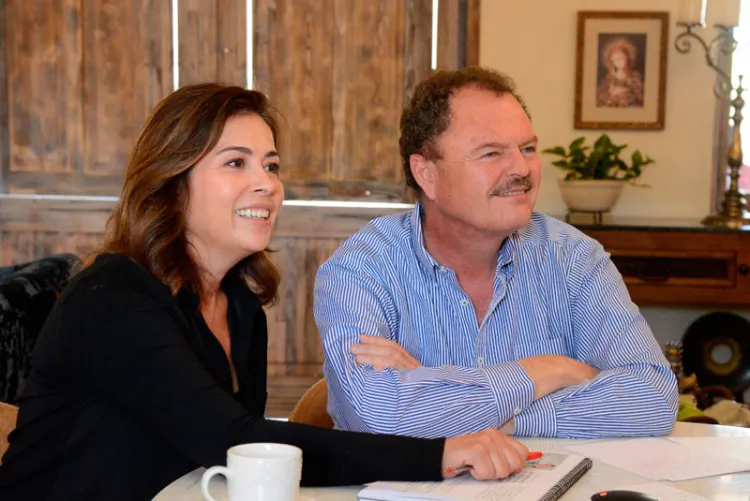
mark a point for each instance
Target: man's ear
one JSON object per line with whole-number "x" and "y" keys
{"x": 425, "y": 174}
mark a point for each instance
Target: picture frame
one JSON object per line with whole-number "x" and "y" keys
{"x": 621, "y": 70}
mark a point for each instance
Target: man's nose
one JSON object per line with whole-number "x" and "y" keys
{"x": 519, "y": 164}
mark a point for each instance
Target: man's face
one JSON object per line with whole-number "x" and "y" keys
{"x": 489, "y": 171}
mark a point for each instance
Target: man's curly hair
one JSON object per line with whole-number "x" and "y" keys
{"x": 427, "y": 115}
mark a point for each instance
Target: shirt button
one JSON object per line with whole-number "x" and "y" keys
{"x": 464, "y": 302}
{"x": 480, "y": 360}
{"x": 443, "y": 270}
{"x": 516, "y": 411}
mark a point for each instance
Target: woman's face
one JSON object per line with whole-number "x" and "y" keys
{"x": 235, "y": 194}
{"x": 619, "y": 60}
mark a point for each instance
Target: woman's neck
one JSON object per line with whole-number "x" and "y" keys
{"x": 212, "y": 263}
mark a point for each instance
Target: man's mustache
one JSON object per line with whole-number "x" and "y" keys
{"x": 513, "y": 185}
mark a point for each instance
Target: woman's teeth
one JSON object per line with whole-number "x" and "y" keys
{"x": 254, "y": 213}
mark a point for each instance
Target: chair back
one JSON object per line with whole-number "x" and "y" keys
{"x": 27, "y": 296}
{"x": 311, "y": 408}
{"x": 8, "y": 418}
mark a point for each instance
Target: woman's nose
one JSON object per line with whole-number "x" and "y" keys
{"x": 260, "y": 180}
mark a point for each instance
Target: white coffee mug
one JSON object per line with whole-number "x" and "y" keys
{"x": 259, "y": 472}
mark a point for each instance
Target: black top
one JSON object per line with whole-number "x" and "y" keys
{"x": 130, "y": 390}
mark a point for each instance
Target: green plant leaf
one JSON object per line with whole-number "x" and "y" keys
{"x": 637, "y": 158}
{"x": 577, "y": 143}
{"x": 601, "y": 162}
{"x": 557, "y": 150}
{"x": 603, "y": 142}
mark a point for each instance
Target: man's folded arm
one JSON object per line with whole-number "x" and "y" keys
{"x": 635, "y": 392}
{"x": 425, "y": 402}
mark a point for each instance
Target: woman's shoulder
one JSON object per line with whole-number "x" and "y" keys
{"x": 115, "y": 278}
{"x": 114, "y": 302}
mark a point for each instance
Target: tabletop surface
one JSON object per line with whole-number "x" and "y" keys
{"x": 734, "y": 487}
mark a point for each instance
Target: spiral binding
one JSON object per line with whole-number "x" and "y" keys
{"x": 567, "y": 481}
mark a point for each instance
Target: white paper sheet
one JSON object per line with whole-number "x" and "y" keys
{"x": 662, "y": 458}
{"x": 529, "y": 484}
{"x": 731, "y": 447}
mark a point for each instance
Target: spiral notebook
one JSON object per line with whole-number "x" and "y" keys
{"x": 545, "y": 479}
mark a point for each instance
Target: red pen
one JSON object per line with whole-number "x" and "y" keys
{"x": 465, "y": 468}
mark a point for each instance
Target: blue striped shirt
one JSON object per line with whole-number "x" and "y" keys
{"x": 556, "y": 291}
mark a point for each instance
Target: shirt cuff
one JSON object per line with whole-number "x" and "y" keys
{"x": 512, "y": 388}
{"x": 538, "y": 420}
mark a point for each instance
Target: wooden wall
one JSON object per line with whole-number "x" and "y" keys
{"x": 77, "y": 87}
{"x": 78, "y": 79}
{"x": 352, "y": 64}
{"x": 304, "y": 238}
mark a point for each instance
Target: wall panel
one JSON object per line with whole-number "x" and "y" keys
{"x": 212, "y": 41}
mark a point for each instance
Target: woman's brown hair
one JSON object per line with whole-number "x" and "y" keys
{"x": 148, "y": 224}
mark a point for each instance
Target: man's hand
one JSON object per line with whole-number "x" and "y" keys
{"x": 382, "y": 353}
{"x": 554, "y": 372}
{"x": 490, "y": 453}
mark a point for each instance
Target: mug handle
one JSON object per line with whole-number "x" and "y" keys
{"x": 207, "y": 475}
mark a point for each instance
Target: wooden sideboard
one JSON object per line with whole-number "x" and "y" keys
{"x": 667, "y": 263}
{"x": 677, "y": 262}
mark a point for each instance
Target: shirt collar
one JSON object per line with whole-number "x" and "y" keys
{"x": 428, "y": 264}
{"x": 506, "y": 256}
{"x": 239, "y": 295}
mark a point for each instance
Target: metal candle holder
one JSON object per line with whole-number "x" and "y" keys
{"x": 732, "y": 213}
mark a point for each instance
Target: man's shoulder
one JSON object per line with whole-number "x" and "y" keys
{"x": 544, "y": 230}
{"x": 376, "y": 243}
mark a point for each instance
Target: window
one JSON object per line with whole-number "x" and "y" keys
{"x": 741, "y": 66}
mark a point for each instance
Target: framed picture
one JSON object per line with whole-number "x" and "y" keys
{"x": 621, "y": 70}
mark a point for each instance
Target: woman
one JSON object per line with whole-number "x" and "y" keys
{"x": 153, "y": 361}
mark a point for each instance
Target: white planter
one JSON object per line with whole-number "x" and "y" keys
{"x": 590, "y": 195}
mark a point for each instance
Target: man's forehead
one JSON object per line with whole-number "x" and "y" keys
{"x": 473, "y": 96}
{"x": 490, "y": 123}
{"x": 474, "y": 104}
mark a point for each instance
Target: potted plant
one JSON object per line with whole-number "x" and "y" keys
{"x": 595, "y": 176}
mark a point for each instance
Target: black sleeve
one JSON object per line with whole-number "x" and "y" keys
{"x": 134, "y": 351}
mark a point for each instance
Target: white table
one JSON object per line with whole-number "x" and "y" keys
{"x": 735, "y": 487}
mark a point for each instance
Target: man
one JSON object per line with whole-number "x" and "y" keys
{"x": 471, "y": 311}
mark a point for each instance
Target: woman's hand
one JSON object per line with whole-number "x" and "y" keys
{"x": 490, "y": 453}
{"x": 381, "y": 353}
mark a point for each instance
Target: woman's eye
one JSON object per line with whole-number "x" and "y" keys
{"x": 272, "y": 168}
{"x": 237, "y": 163}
